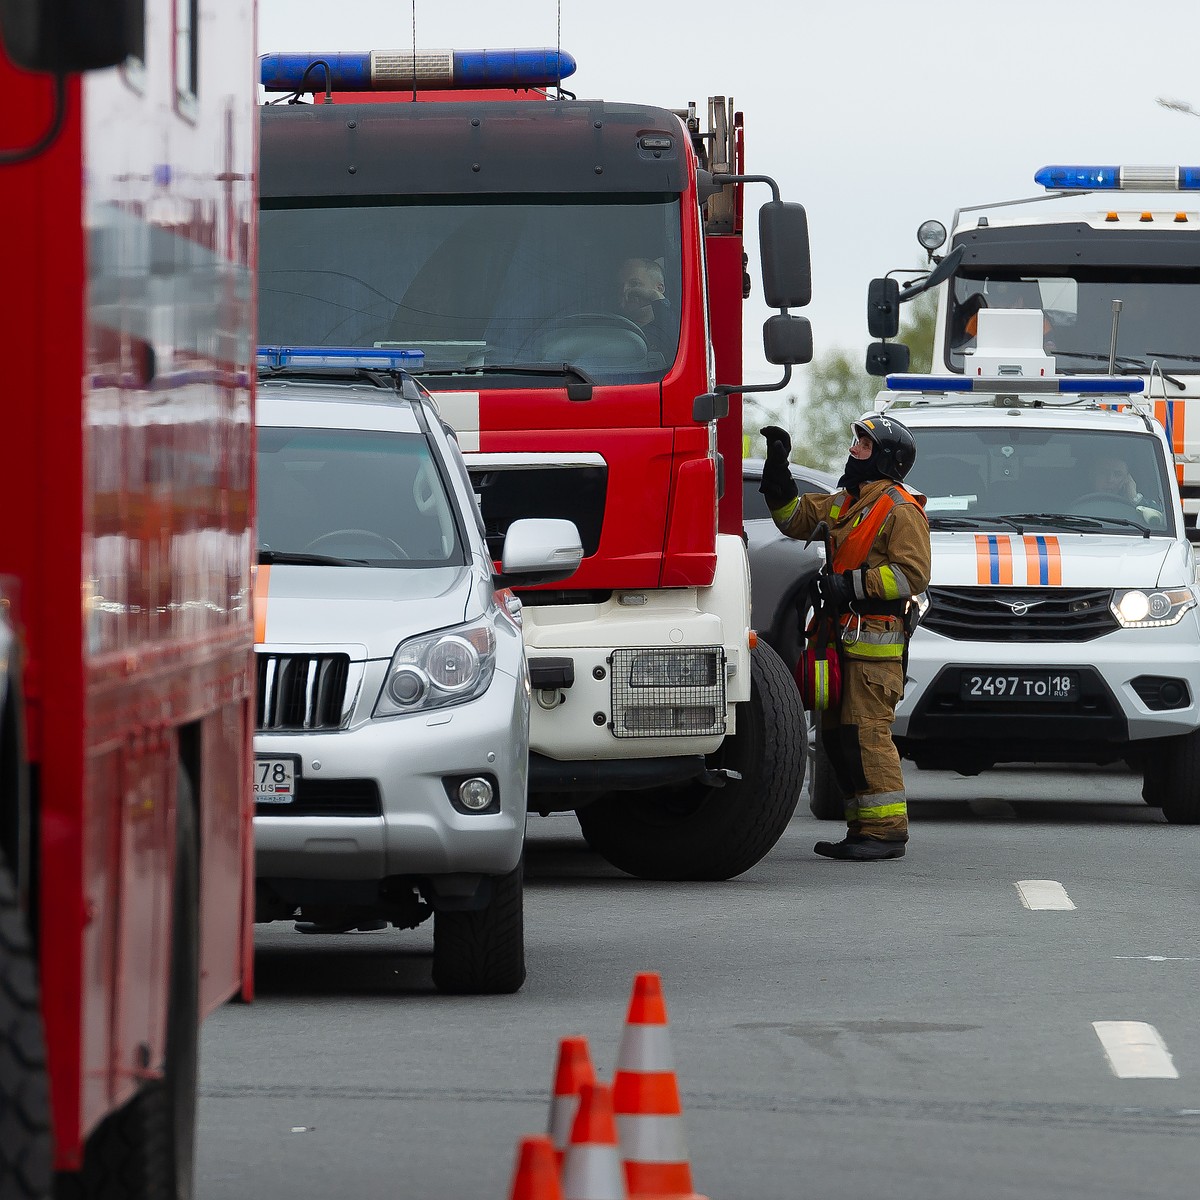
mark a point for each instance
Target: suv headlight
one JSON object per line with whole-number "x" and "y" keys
{"x": 1136, "y": 608}
{"x": 439, "y": 669}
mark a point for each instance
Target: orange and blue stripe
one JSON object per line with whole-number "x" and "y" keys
{"x": 1043, "y": 560}
{"x": 993, "y": 558}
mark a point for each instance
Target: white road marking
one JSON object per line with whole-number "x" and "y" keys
{"x": 1043, "y": 893}
{"x": 1149, "y": 958}
{"x": 1135, "y": 1050}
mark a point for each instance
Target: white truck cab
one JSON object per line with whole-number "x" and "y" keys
{"x": 1061, "y": 622}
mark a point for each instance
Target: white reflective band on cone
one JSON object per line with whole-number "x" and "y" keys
{"x": 645, "y": 1048}
{"x": 593, "y": 1173}
{"x": 652, "y": 1139}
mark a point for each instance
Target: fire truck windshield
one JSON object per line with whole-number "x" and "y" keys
{"x": 1159, "y": 316}
{"x": 480, "y": 282}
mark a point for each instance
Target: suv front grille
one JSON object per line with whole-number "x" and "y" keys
{"x": 300, "y": 691}
{"x": 994, "y": 614}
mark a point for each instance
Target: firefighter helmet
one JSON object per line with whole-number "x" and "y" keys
{"x": 895, "y": 447}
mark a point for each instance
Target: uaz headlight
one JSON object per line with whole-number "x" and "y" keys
{"x": 1137, "y": 608}
{"x": 439, "y": 669}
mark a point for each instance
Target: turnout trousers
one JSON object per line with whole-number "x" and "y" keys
{"x": 857, "y": 738}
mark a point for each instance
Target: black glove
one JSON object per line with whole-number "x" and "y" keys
{"x": 836, "y": 591}
{"x": 777, "y": 484}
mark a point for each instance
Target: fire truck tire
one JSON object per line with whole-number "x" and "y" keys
{"x": 145, "y": 1151}
{"x": 482, "y": 952}
{"x": 26, "y": 1151}
{"x": 700, "y": 831}
{"x": 1172, "y": 779}
{"x": 826, "y": 799}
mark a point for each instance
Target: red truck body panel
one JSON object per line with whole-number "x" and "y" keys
{"x": 129, "y": 423}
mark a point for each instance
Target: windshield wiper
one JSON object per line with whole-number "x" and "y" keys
{"x": 1078, "y": 521}
{"x": 305, "y": 559}
{"x": 581, "y": 390}
{"x": 1126, "y": 364}
{"x": 1173, "y": 354}
{"x": 936, "y": 522}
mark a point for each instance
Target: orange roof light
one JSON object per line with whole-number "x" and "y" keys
{"x": 1112, "y": 216}
{"x": 1146, "y": 216}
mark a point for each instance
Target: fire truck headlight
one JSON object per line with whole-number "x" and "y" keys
{"x": 931, "y": 235}
{"x": 438, "y": 670}
{"x": 1143, "y": 609}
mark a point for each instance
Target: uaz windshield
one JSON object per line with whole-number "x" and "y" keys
{"x": 503, "y": 282}
{"x": 1087, "y": 481}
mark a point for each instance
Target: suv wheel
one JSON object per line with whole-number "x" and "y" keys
{"x": 1172, "y": 779}
{"x": 483, "y": 951}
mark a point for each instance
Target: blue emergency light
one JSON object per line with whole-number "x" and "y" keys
{"x": 1118, "y": 179}
{"x": 1088, "y": 385}
{"x": 427, "y": 70}
{"x": 273, "y": 358}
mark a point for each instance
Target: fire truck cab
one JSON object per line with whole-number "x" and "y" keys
{"x": 572, "y": 272}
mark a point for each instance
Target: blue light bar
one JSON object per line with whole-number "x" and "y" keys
{"x": 1075, "y": 385}
{"x": 1119, "y": 179}
{"x": 272, "y": 358}
{"x": 427, "y": 70}
{"x": 929, "y": 383}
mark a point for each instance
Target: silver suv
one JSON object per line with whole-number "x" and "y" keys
{"x": 391, "y": 752}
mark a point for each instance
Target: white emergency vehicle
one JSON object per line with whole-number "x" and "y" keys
{"x": 1097, "y": 234}
{"x": 1061, "y": 620}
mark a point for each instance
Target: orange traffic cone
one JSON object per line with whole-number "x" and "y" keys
{"x": 646, "y": 1100}
{"x": 536, "y": 1174}
{"x": 592, "y": 1165}
{"x": 573, "y": 1071}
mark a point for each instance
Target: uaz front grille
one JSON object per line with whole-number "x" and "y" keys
{"x": 301, "y": 691}
{"x": 995, "y": 614}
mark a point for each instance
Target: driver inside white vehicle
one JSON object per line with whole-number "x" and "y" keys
{"x": 1110, "y": 476}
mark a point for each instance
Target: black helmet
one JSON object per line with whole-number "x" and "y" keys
{"x": 895, "y": 448}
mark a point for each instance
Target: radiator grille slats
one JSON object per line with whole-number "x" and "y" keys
{"x": 301, "y": 691}
{"x": 1020, "y": 614}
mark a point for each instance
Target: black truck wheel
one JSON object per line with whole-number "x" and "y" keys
{"x": 1172, "y": 778}
{"x": 26, "y": 1152}
{"x": 145, "y": 1151}
{"x": 826, "y": 799}
{"x": 700, "y": 831}
{"x": 483, "y": 951}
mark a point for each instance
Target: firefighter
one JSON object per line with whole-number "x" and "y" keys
{"x": 880, "y": 539}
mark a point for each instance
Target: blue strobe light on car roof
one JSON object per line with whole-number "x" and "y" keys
{"x": 427, "y": 70}
{"x": 273, "y": 358}
{"x": 1118, "y": 179}
{"x": 1075, "y": 385}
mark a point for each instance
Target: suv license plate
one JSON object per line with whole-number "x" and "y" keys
{"x": 274, "y": 780}
{"x": 1018, "y": 686}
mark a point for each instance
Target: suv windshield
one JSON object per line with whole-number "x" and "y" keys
{"x": 492, "y": 282}
{"x": 1088, "y": 481}
{"x": 362, "y": 497}
{"x": 1160, "y": 314}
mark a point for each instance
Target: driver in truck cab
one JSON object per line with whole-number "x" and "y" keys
{"x": 881, "y": 560}
{"x": 641, "y": 294}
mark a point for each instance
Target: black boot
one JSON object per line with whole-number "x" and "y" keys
{"x": 860, "y": 849}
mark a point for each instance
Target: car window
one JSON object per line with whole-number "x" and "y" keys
{"x": 355, "y": 494}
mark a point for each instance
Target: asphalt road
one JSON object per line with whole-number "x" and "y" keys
{"x": 921, "y": 1028}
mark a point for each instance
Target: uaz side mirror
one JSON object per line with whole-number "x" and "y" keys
{"x": 883, "y": 308}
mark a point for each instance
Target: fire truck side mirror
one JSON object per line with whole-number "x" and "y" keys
{"x": 787, "y": 340}
{"x": 65, "y": 36}
{"x": 883, "y": 308}
{"x": 887, "y": 358}
{"x": 784, "y": 248}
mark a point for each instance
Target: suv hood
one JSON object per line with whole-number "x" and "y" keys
{"x": 1046, "y": 559}
{"x": 370, "y": 607}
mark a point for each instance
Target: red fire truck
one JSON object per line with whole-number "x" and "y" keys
{"x": 572, "y": 273}
{"x": 127, "y": 200}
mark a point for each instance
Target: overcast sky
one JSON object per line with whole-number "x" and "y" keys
{"x": 875, "y": 114}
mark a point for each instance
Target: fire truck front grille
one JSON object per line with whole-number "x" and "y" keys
{"x": 668, "y": 693}
{"x": 301, "y": 691}
{"x": 991, "y": 614}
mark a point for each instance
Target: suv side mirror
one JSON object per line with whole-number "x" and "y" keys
{"x": 887, "y": 358}
{"x": 883, "y": 308}
{"x": 784, "y": 252}
{"x": 65, "y": 36}
{"x": 539, "y": 550}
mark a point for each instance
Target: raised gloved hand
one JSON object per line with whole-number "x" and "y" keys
{"x": 777, "y": 484}
{"x": 836, "y": 591}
